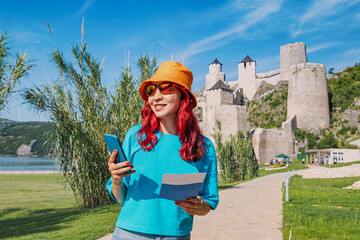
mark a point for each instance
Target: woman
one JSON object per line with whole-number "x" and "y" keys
{"x": 168, "y": 141}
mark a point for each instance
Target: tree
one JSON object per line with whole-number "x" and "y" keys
{"x": 83, "y": 110}
{"x": 331, "y": 70}
{"x": 10, "y": 72}
{"x": 328, "y": 141}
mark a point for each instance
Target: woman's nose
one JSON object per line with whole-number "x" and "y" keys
{"x": 157, "y": 94}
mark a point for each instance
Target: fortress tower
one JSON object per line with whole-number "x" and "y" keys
{"x": 308, "y": 96}
{"x": 246, "y": 76}
{"x": 214, "y": 74}
{"x": 291, "y": 54}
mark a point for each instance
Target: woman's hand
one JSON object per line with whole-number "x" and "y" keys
{"x": 194, "y": 206}
{"x": 118, "y": 170}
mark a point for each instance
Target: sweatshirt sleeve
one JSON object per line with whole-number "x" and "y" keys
{"x": 210, "y": 188}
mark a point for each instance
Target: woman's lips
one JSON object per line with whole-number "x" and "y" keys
{"x": 159, "y": 107}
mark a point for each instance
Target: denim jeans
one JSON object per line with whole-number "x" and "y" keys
{"x": 122, "y": 234}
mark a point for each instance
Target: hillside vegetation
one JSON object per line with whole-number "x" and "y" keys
{"x": 268, "y": 109}
{"x": 13, "y": 134}
{"x": 344, "y": 95}
{"x": 344, "y": 88}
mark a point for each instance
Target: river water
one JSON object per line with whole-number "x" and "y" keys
{"x": 27, "y": 164}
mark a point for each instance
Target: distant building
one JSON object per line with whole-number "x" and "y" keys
{"x": 333, "y": 155}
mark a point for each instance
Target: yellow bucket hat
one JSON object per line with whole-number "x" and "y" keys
{"x": 171, "y": 72}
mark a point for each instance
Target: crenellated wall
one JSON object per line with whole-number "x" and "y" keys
{"x": 214, "y": 75}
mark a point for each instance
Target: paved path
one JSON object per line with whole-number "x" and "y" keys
{"x": 250, "y": 210}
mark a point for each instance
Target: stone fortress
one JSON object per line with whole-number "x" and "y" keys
{"x": 307, "y": 102}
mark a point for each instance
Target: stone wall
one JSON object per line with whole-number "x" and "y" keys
{"x": 219, "y": 97}
{"x": 308, "y": 96}
{"x": 268, "y": 74}
{"x": 268, "y": 143}
{"x": 291, "y": 54}
{"x": 232, "y": 118}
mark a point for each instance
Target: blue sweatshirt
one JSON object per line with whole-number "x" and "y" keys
{"x": 142, "y": 210}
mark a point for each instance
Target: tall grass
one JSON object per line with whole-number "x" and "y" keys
{"x": 236, "y": 157}
{"x": 83, "y": 110}
{"x": 10, "y": 71}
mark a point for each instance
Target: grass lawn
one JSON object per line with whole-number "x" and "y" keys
{"x": 37, "y": 207}
{"x": 296, "y": 165}
{"x": 322, "y": 209}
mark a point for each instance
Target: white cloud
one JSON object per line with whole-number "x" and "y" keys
{"x": 319, "y": 10}
{"x": 353, "y": 52}
{"x": 321, "y": 46}
{"x": 23, "y": 36}
{"x": 262, "y": 10}
{"x": 85, "y": 6}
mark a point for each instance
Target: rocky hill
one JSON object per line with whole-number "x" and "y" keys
{"x": 268, "y": 107}
{"x": 25, "y": 138}
{"x": 344, "y": 94}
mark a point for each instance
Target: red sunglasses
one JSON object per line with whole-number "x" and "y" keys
{"x": 165, "y": 89}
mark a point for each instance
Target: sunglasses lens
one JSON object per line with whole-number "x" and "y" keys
{"x": 150, "y": 90}
{"x": 166, "y": 88}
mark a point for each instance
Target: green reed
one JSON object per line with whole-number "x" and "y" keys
{"x": 83, "y": 109}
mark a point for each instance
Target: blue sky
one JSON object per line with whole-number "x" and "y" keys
{"x": 198, "y": 30}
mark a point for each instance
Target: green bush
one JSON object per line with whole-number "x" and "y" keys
{"x": 328, "y": 141}
{"x": 353, "y": 130}
{"x": 300, "y": 134}
{"x": 276, "y": 102}
{"x": 343, "y": 131}
{"x": 268, "y": 97}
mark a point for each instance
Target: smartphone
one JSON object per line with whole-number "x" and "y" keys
{"x": 113, "y": 142}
